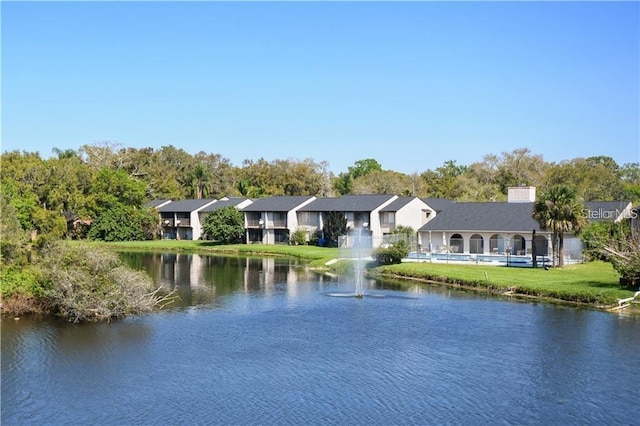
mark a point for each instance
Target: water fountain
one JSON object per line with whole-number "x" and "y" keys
{"x": 357, "y": 249}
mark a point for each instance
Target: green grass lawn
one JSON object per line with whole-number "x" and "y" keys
{"x": 315, "y": 253}
{"x": 593, "y": 282}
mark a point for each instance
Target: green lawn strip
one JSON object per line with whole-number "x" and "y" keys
{"x": 318, "y": 254}
{"x": 593, "y": 283}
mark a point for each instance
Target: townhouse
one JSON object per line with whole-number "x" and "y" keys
{"x": 442, "y": 226}
{"x": 271, "y": 220}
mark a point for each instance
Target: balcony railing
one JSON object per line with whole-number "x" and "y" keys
{"x": 270, "y": 224}
{"x": 170, "y": 223}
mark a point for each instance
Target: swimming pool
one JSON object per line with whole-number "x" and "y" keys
{"x": 497, "y": 259}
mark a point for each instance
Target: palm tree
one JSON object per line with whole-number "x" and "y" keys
{"x": 200, "y": 182}
{"x": 64, "y": 153}
{"x": 247, "y": 190}
{"x": 558, "y": 210}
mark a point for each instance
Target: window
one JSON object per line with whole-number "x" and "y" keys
{"x": 279, "y": 219}
{"x": 496, "y": 244}
{"x": 387, "y": 218}
{"x": 308, "y": 218}
{"x": 518, "y": 244}
{"x": 281, "y": 236}
{"x": 253, "y": 218}
{"x": 476, "y": 244}
{"x": 456, "y": 244}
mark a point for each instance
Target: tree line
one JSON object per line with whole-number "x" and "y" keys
{"x": 99, "y": 191}
{"x": 106, "y": 184}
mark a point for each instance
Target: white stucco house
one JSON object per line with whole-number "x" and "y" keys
{"x": 180, "y": 219}
{"x": 495, "y": 228}
{"x": 271, "y": 220}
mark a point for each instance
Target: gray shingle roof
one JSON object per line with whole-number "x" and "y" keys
{"x": 155, "y": 203}
{"x": 505, "y": 217}
{"x": 185, "y": 206}
{"x": 347, "y": 203}
{"x": 397, "y": 204}
{"x": 223, "y": 203}
{"x": 438, "y": 204}
{"x": 276, "y": 204}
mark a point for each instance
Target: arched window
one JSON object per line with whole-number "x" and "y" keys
{"x": 542, "y": 246}
{"x": 496, "y": 244}
{"x": 456, "y": 243}
{"x": 518, "y": 244}
{"x": 476, "y": 244}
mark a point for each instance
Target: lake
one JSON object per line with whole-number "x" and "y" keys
{"x": 266, "y": 341}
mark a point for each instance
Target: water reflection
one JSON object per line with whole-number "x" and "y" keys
{"x": 262, "y": 344}
{"x": 200, "y": 279}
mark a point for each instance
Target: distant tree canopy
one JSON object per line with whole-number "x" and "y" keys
{"x": 124, "y": 223}
{"x": 344, "y": 182}
{"x": 105, "y": 179}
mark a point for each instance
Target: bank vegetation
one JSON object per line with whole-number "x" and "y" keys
{"x": 79, "y": 283}
{"x": 594, "y": 283}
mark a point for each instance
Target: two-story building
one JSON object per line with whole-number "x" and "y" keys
{"x": 271, "y": 220}
{"x": 372, "y": 216}
{"x": 180, "y": 219}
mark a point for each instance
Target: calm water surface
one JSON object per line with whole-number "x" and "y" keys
{"x": 262, "y": 341}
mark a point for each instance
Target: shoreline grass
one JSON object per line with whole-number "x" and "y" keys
{"x": 317, "y": 256}
{"x": 594, "y": 283}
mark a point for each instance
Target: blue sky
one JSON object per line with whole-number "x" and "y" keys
{"x": 410, "y": 84}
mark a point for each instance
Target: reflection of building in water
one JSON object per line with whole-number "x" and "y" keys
{"x": 198, "y": 278}
{"x": 180, "y": 270}
{"x": 184, "y": 273}
{"x": 263, "y": 274}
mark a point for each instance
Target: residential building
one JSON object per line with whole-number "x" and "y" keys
{"x": 485, "y": 228}
{"x": 411, "y": 212}
{"x": 180, "y": 220}
{"x": 479, "y": 228}
{"x": 437, "y": 204}
{"x": 270, "y": 220}
{"x": 362, "y": 213}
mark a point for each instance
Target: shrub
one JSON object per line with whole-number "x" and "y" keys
{"x": 314, "y": 239}
{"x": 13, "y": 239}
{"x": 16, "y": 281}
{"x": 391, "y": 255}
{"x": 85, "y": 284}
{"x": 298, "y": 238}
{"x": 123, "y": 223}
